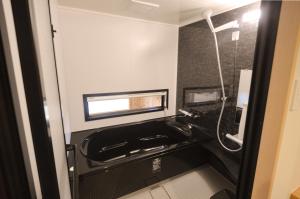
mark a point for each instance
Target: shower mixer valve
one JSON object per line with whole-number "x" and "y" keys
{"x": 223, "y": 98}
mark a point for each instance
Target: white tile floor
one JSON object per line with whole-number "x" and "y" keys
{"x": 200, "y": 183}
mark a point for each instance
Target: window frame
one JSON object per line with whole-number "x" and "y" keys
{"x": 218, "y": 89}
{"x": 88, "y": 117}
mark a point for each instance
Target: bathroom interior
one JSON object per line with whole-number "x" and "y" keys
{"x": 153, "y": 95}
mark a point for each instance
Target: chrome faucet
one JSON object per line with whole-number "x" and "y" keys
{"x": 186, "y": 113}
{"x": 189, "y": 114}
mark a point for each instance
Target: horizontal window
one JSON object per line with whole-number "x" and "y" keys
{"x": 198, "y": 96}
{"x": 106, "y": 105}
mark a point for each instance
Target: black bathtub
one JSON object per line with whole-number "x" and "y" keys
{"x": 118, "y": 145}
{"x": 115, "y": 161}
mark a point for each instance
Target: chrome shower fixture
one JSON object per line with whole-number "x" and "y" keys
{"x": 232, "y": 24}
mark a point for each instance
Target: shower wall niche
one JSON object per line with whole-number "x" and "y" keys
{"x": 197, "y": 61}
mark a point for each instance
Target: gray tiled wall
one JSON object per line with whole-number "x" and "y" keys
{"x": 197, "y": 61}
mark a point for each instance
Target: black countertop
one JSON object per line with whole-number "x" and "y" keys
{"x": 227, "y": 163}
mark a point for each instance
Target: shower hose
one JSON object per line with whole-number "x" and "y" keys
{"x": 223, "y": 99}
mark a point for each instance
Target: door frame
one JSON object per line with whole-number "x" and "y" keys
{"x": 262, "y": 68}
{"x": 14, "y": 177}
{"x": 264, "y": 53}
{"x": 41, "y": 137}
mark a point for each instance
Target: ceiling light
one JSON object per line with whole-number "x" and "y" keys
{"x": 252, "y": 16}
{"x": 145, "y": 3}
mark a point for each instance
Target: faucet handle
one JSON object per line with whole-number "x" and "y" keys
{"x": 186, "y": 113}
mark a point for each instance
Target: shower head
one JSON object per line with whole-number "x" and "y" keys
{"x": 207, "y": 15}
{"x": 232, "y": 24}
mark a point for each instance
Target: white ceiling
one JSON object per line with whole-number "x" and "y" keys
{"x": 178, "y": 12}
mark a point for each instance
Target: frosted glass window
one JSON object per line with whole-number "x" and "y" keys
{"x": 204, "y": 97}
{"x": 199, "y": 96}
{"x": 106, "y": 105}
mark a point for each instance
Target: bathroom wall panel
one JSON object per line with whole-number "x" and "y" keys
{"x": 106, "y": 53}
{"x": 197, "y": 60}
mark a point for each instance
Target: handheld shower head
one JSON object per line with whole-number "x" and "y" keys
{"x": 207, "y": 15}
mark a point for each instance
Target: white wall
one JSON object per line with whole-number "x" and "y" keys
{"x": 287, "y": 173}
{"x": 60, "y": 70}
{"x": 106, "y": 53}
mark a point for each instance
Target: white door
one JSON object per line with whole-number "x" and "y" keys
{"x": 41, "y": 24}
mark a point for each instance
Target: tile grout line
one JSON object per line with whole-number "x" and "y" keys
{"x": 151, "y": 194}
{"x": 162, "y": 186}
{"x": 166, "y": 191}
